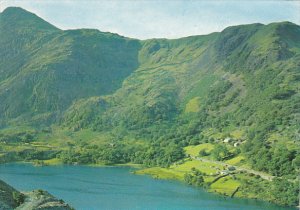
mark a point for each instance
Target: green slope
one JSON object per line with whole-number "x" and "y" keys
{"x": 232, "y": 76}
{"x": 112, "y": 99}
{"x": 44, "y": 69}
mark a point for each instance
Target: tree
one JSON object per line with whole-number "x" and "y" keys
{"x": 219, "y": 152}
{"x": 203, "y": 152}
{"x": 19, "y": 198}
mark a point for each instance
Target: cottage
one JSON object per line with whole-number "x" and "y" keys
{"x": 227, "y": 140}
{"x": 224, "y": 172}
{"x": 236, "y": 144}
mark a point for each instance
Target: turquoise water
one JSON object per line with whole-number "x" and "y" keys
{"x": 115, "y": 188}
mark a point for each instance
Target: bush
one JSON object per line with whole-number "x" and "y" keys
{"x": 19, "y": 198}
{"x": 203, "y": 153}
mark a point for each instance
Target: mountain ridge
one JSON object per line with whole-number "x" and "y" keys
{"x": 58, "y": 48}
{"x": 85, "y": 96}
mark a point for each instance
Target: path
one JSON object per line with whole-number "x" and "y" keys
{"x": 238, "y": 168}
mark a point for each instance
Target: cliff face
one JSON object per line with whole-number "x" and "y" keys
{"x": 10, "y": 199}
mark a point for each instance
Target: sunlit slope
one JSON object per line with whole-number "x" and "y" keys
{"x": 246, "y": 75}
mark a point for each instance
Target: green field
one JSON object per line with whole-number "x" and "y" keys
{"x": 194, "y": 150}
{"x": 236, "y": 160}
{"x": 225, "y": 185}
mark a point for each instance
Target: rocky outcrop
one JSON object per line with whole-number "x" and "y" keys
{"x": 8, "y": 196}
{"x": 10, "y": 199}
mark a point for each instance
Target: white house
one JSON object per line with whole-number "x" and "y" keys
{"x": 236, "y": 144}
{"x": 227, "y": 140}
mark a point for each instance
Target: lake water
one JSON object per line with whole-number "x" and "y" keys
{"x": 115, "y": 188}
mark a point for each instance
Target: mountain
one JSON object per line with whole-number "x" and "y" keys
{"x": 85, "y": 96}
{"x": 44, "y": 69}
{"x": 246, "y": 74}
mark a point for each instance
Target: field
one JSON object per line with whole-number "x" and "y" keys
{"x": 194, "y": 150}
{"x": 225, "y": 186}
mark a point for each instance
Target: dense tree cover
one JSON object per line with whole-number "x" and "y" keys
{"x": 285, "y": 192}
{"x": 27, "y": 155}
{"x": 150, "y": 155}
{"x": 24, "y": 137}
{"x": 279, "y": 191}
{"x": 276, "y": 160}
{"x": 220, "y": 152}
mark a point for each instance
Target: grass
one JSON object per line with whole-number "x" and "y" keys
{"x": 226, "y": 185}
{"x": 237, "y": 134}
{"x": 62, "y": 137}
{"x": 194, "y": 150}
{"x": 236, "y": 160}
{"x": 132, "y": 165}
{"x": 54, "y": 161}
{"x": 161, "y": 173}
{"x": 177, "y": 171}
{"x": 201, "y": 88}
{"x": 204, "y": 167}
{"x": 193, "y": 105}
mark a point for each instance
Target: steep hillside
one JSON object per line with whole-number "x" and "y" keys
{"x": 43, "y": 69}
{"x": 235, "y": 75}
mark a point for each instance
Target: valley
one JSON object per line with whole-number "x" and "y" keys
{"x": 217, "y": 111}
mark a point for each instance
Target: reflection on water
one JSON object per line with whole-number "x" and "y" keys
{"x": 115, "y": 188}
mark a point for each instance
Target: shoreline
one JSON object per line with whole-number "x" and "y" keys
{"x": 155, "y": 173}
{"x": 41, "y": 163}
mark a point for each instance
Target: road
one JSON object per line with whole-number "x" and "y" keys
{"x": 238, "y": 168}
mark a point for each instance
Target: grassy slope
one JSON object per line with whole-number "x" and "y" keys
{"x": 44, "y": 69}
{"x": 177, "y": 77}
{"x": 191, "y": 89}
{"x": 224, "y": 186}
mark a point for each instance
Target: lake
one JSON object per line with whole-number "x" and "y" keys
{"x": 115, "y": 188}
